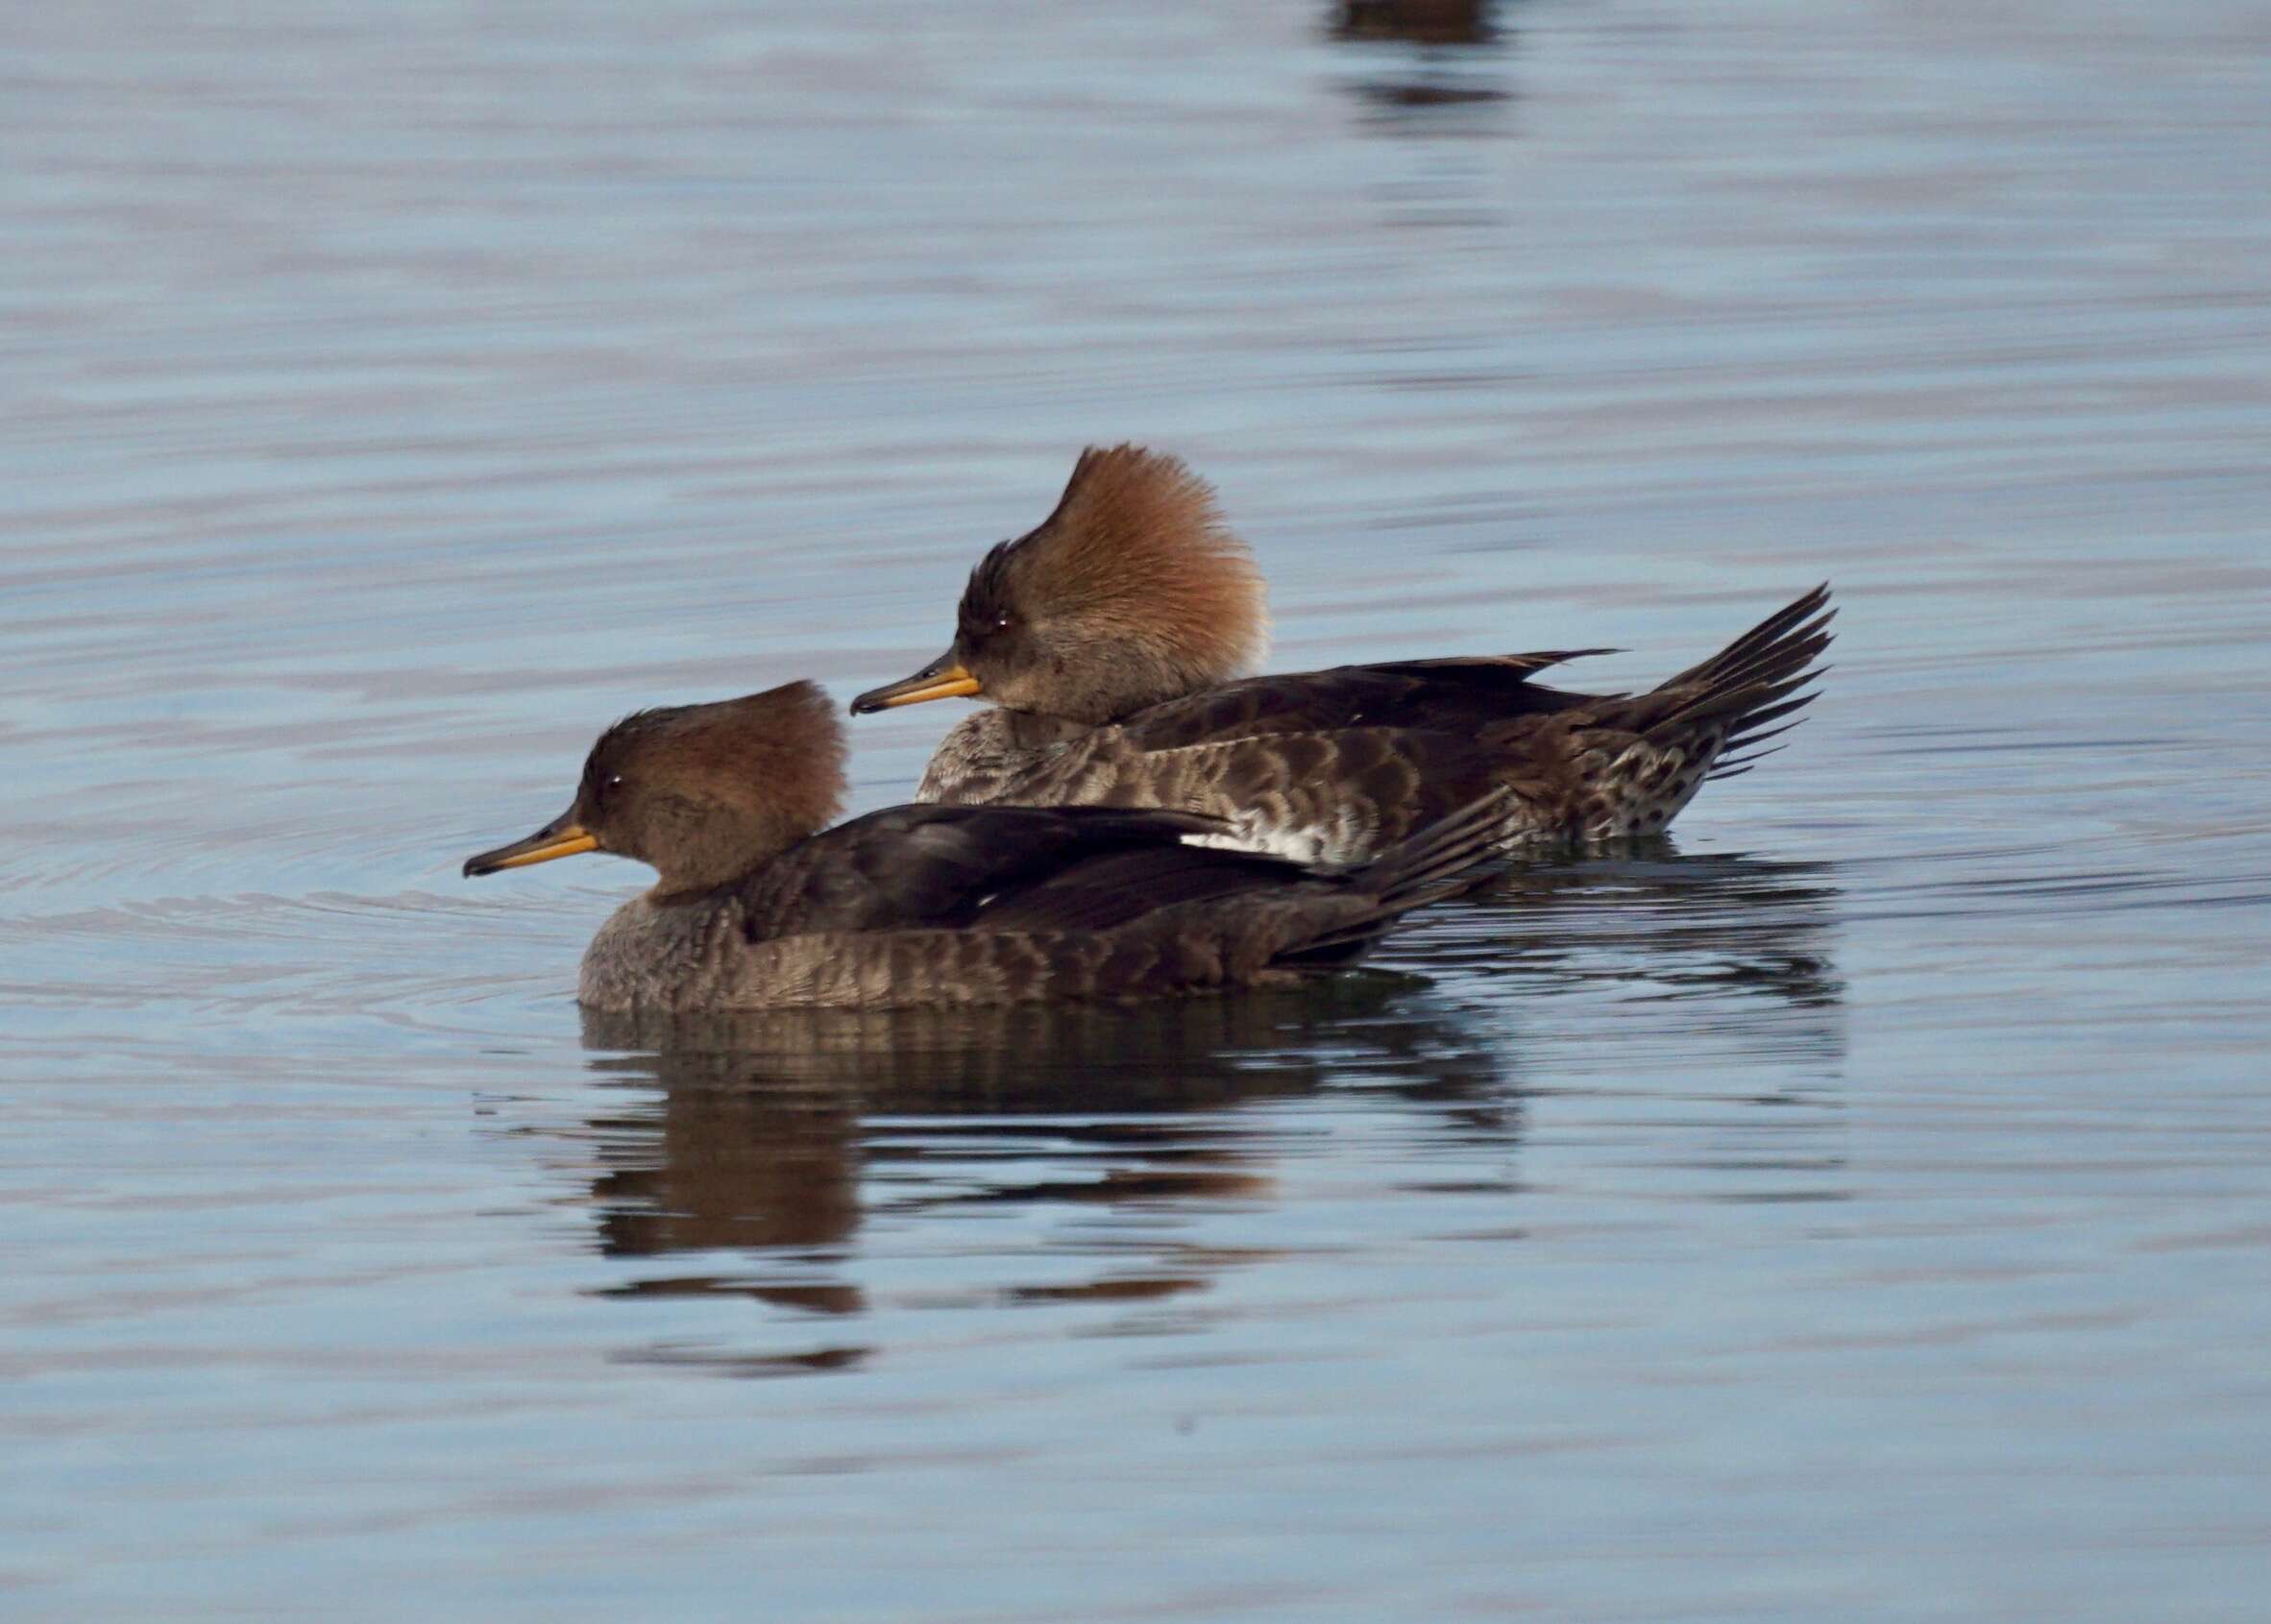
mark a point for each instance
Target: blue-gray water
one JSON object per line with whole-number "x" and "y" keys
{"x": 1862, "y": 1211}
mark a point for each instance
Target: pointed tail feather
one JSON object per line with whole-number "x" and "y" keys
{"x": 1712, "y": 720}
{"x": 1797, "y": 619}
{"x": 1453, "y": 855}
{"x": 1745, "y": 685}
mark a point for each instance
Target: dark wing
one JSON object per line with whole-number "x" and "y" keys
{"x": 1096, "y": 893}
{"x": 1457, "y": 694}
{"x": 936, "y": 867}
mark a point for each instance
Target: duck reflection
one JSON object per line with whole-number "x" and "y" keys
{"x": 763, "y": 1145}
{"x": 1687, "y": 1010}
{"x": 1695, "y": 925}
{"x": 1730, "y": 957}
{"x": 774, "y": 1137}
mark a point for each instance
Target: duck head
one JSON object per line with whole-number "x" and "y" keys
{"x": 702, "y": 793}
{"x": 1133, "y": 592}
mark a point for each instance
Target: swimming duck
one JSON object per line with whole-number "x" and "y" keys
{"x": 1112, "y": 639}
{"x": 759, "y": 905}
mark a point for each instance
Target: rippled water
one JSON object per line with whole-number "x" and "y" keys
{"x": 1860, "y": 1209}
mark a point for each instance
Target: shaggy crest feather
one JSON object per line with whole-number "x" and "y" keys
{"x": 1133, "y": 591}
{"x": 1138, "y": 546}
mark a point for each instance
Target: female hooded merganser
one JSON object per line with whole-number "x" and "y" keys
{"x": 759, "y": 905}
{"x": 1109, "y": 637}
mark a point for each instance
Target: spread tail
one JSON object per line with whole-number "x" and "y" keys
{"x": 1713, "y": 720}
{"x": 1451, "y": 856}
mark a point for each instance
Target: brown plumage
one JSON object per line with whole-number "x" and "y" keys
{"x": 1131, "y": 592}
{"x": 757, "y": 907}
{"x": 1319, "y": 765}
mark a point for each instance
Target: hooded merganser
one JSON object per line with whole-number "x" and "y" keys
{"x": 760, "y": 906}
{"x": 1112, "y": 639}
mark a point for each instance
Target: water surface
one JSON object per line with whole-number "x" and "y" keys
{"x": 1860, "y": 1207}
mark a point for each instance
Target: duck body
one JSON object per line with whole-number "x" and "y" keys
{"x": 1332, "y": 766}
{"x": 1320, "y": 796}
{"x": 1110, "y": 639}
{"x": 1008, "y": 905}
{"x": 986, "y": 755}
{"x": 759, "y": 907}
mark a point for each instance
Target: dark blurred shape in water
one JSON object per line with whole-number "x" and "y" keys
{"x": 1417, "y": 22}
{"x": 1431, "y": 68}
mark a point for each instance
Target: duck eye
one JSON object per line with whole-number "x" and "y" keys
{"x": 615, "y": 781}
{"x": 1001, "y": 622}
